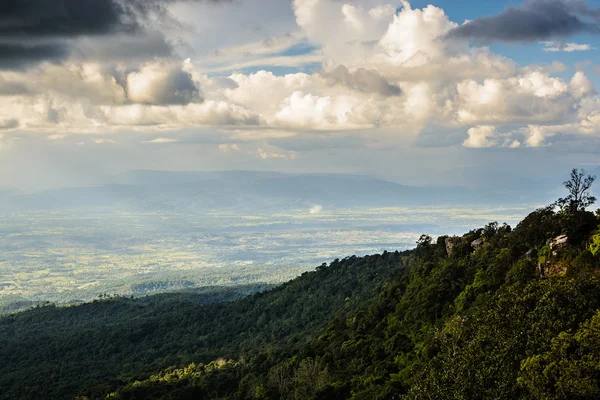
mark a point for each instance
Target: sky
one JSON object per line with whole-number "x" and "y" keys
{"x": 453, "y": 93}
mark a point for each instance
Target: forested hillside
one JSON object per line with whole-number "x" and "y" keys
{"x": 51, "y": 352}
{"x": 497, "y": 313}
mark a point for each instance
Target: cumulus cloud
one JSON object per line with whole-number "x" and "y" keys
{"x": 402, "y": 47}
{"x": 413, "y": 36}
{"x": 162, "y": 84}
{"x": 344, "y": 31}
{"x": 530, "y": 97}
{"x": 481, "y": 137}
{"x": 156, "y": 83}
{"x": 209, "y": 113}
{"x": 382, "y": 67}
{"x": 308, "y": 111}
{"x": 263, "y": 91}
{"x": 91, "y": 82}
{"x": 530, "y": 136}
{"x": 536, "y": 136}
{"x": 532, "y": 21}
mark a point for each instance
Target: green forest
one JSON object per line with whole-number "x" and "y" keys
{"x": 498, "y": 313}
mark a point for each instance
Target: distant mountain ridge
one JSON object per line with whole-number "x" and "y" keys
{"x": 197, "y": 191}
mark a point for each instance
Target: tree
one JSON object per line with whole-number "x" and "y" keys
{"x": 578, "y": 186}
{"x": 424, "y": 247}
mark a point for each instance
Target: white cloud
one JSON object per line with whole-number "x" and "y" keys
{"x": 514, "y": 144}
{"x": 263, "y": 91}
{"x": 530, "y": 136}
{"x": 209, "y": 113}
{"x": 103, "y": 141}
{"x": 413, "y": 37}
{"x": 532, "y": 97}
{"x": 266, "y": 152}
{"x": 481, "y": 136}
{"x": 89, "y": 82}
{"x": 162, "y": 84}
{"x": 228, "y": 148}
{"x": 581, "y": 86}
{"x": 343, "y": 30}
{"x": 307, "y": 111}
{"x": 162, "y": 140}
{"x": 56, "y": 137}
{"x": 316, "y": 209}
{"x": 536, "y": 135}
{"x": 553, "y": 47}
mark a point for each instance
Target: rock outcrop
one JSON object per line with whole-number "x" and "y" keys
{"x": 477, "y": 243}
{"x": 451, "y": 242}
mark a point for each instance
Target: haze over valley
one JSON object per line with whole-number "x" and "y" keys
{"x": 151, "y": 231}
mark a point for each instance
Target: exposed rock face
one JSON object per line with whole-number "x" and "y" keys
{"x": 559, "y": 242}
{"x": 477, "y": 243}
{"x": 551, "y": 267}
{"x": 451, "y": 242}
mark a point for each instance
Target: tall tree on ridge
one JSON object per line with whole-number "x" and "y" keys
{"x": 579, "y": 197}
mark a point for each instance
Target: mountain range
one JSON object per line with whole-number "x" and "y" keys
{"x": 235, "y": 190}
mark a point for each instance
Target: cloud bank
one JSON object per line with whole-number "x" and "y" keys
{"x": 381, "y": 68}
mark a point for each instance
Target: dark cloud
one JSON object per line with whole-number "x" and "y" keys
{"x": 42, "y": 18}
{"x": 18, "y": 55}
{"x": 36, "y": 30}
{"x": 122, "y": 47}
{"x": 362, "y": 80}
{"x": 532, "y": 21}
